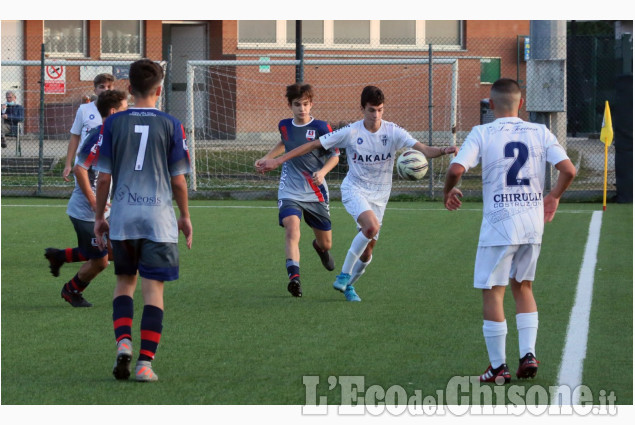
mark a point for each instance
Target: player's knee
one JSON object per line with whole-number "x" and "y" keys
{"x": 371, "y": 231}
{"x": 524, "y": 286}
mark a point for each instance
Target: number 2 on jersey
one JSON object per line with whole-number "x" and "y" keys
{"x": 523, "y": 155}
{"x": 141, "y": 155}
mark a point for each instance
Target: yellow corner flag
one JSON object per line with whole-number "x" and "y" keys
{"x": 606, "y": 136}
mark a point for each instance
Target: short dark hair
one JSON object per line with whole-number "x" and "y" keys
{"x": 145, "y": 76}
{"x": 103, "y": 78}
{"x": 506, "y": 86}
{"x": 109, "y": 99}
{"x": 372, "y": 95}
{"x": 298, "y": 91}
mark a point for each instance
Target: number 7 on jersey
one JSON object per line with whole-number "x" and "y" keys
{"x": 141, "y": 155}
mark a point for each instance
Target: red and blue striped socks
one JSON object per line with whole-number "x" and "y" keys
{"x": 151, "y": 327}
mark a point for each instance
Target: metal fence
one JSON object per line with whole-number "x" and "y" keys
{"x": 231, "y": 109}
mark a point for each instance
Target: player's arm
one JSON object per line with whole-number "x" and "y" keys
{"x": 274, "y": 152}
{"x": 70, "y": 154}
{"x": 81, "y": 174}
{"x": 551, "y": 201}
{"x": 434, "y": 151}
{"x": 273, "y": 163}
{"x": 451, "y": 193}
{"x": 318, "y": 176}
{"x": 179, "y": 191}
{"x": 101, "y": 224}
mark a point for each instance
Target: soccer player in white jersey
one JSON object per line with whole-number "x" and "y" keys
{"x": 86, "y": 118}
{"x": 81, "y": 210}
{"x": 144, "y": 153}
{"x": 514, "y": 156}
{"x": 302, "y": 188}
{"x": 371, "y": 145}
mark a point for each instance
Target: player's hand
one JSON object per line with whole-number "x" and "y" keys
{"x": 185, "y": 226}
{"x": 101, "y": 231}
{"x": 258, "y": 163}
{"x": 451, "y": 199}
{"x": 267, "y": 165}
{"x": 66, "y": 173}
{"x": 550, "y": 207}
{"x": 318, "y": 178}
{"x": 451, "y": 150}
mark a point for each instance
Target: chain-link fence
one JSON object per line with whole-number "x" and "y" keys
{"x": 231, "y": 109}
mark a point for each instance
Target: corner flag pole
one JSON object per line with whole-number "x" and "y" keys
{"x": 606, "y": 136}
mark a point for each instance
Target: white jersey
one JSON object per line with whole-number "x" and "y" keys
{"x": 86, "y": 119}
{"x": 514, "y": 155}
{"x": 370, "y": 156}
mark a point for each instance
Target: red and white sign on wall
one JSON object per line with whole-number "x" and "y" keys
{"x": 55, "y": 79}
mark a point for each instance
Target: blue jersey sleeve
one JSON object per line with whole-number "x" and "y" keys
{"x": 179, "y": 155}
{"x": 104, "y": 159}
{"x": 325, "y": 128}
{"x": 89, "y": 151}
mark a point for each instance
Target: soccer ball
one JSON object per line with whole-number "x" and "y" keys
{"x": 412, "y": 165}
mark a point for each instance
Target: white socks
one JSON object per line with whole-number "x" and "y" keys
{"x": 495, "y": 334}
{"x": 354, "y": 252}
{"x": 358, "y": 269}
{"x": 527, "y": 324}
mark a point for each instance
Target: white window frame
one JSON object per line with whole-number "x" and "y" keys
{"x": 329, "y": 44}
{"x": 111, "y": 55}
{"x": 75, "y": 55}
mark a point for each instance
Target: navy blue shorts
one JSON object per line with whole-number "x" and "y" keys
{"x": 316, "y": 214}
{"x": 154, "y": 260}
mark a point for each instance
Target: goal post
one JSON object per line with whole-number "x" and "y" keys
{"x": 233, "y": 108}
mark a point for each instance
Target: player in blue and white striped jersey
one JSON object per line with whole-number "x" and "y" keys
{"x": 370, "y": 144}
{"x": 144, "y": 153}
{"x": 302, "y": 188}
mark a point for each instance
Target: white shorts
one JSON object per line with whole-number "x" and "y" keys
{"x": 357, "y": 200}
{"x": 495, "y": 265}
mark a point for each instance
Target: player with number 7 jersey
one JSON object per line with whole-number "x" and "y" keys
{"x": 144, "y": 155}
{"x": 138, "y": 146}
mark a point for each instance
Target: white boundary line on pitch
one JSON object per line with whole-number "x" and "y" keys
{"x": 574, "y": 352}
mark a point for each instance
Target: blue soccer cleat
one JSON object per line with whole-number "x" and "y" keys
{"x": 341, "y": 281}
{"x": 350, "y": 294}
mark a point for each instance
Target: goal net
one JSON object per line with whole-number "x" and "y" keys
{"x": 234, "y": 108}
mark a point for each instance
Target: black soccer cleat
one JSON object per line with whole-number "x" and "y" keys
{"x": 527, "y": 367}
{"x": 325, "y": 256}
{"x": 75, "y": 298}
{"x": 499, "y": 375}
{"x": 54, "y": 263}
{"x": 294, "y": 287}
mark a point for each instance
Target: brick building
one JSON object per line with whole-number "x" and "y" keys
{"x": 486, "y": 49}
